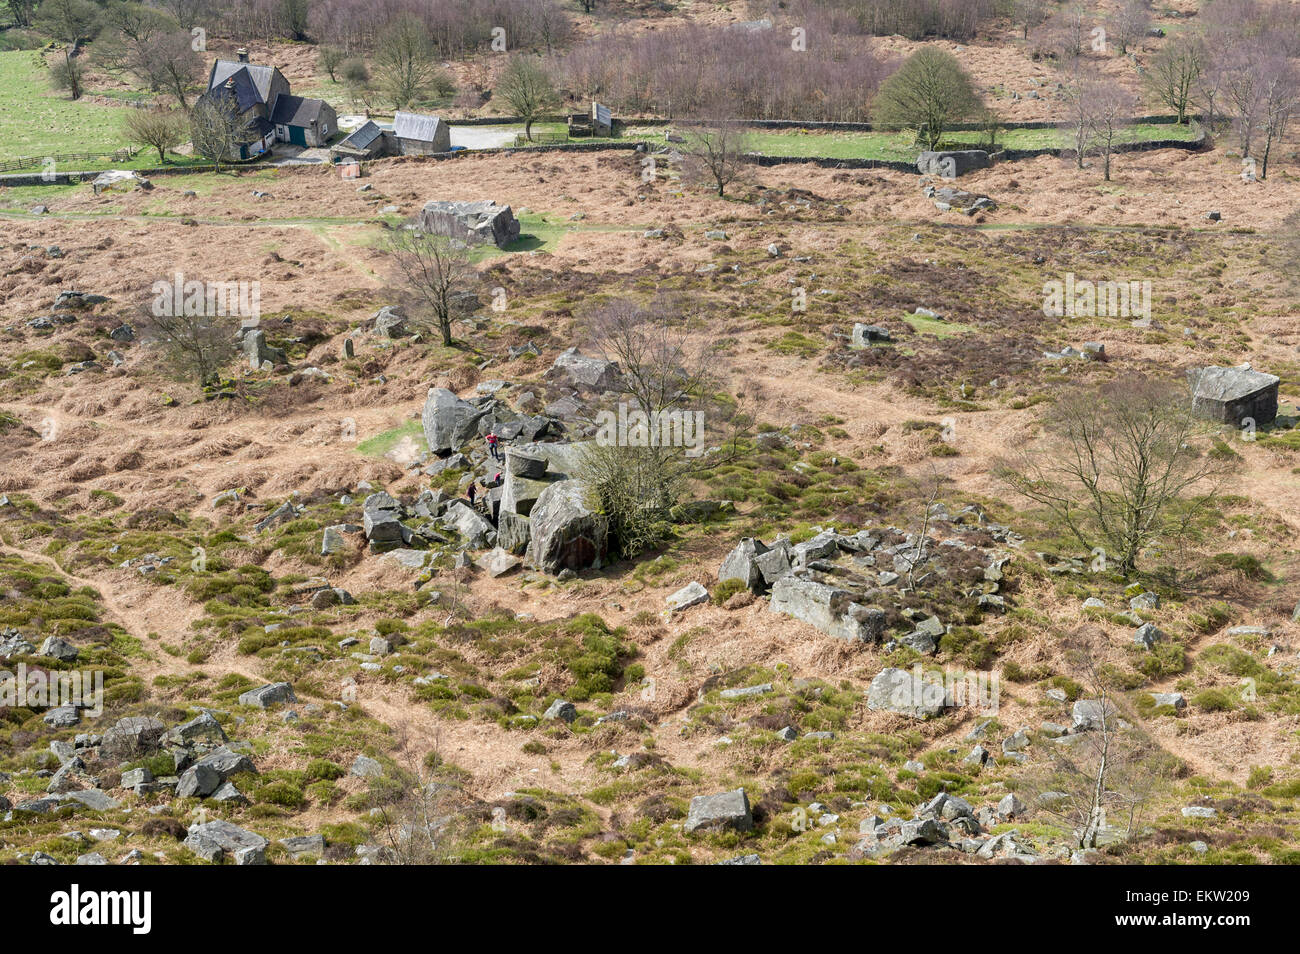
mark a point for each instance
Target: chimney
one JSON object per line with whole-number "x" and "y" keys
{"x": 242, "y": 53}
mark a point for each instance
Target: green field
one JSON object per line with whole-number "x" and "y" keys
{"x": 36, "y": 120}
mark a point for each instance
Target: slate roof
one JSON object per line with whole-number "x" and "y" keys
{"x": 245, "y": 91}
{"x": 261, "y": 76}
{"x": 362, "y": 137}
{"x": 295, "y": 110}
{"x": 415, "y": 126}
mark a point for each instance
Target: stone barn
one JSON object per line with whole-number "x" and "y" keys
{"x": 419, "y": 135}
{"x": 365, "y": 142}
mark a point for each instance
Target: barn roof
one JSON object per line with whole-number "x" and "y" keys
{"x": 296, "y": 110}
{"x": 363, "y": 136}
{"x": 415, "y": 126}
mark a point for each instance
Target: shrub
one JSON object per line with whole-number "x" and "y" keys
{"x": 1214, "y": 700}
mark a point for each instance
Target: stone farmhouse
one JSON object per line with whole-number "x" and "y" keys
{"x": 263, "y": 98}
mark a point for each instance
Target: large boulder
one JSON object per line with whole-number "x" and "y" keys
{"x": 907, "y": 693}
{"x": 522, "y": 464}
{"x": 382, "y": 521}
{"x": 831, "y": 610}
{"x": 474, "y": 529}
{"x": 131, "y": 738}
{"x": 1230, "y": 395}
{"x": 566, "y": 534}
{"x": 742, "y": 564}
{"x": 513, "y": 532}
{"x": 119, "y": 180}
{"x": 952, "y": 163}
{"x": 474, "y": 223}
{"x": 448, "y": 421}
{"x": 266, "y": 696}
{"x": 864, "y": 336}
{"x": 585, "y": 373}
{"x": 259, "y": 352}
{"x": 724, "y": 810}
{"x": 948, "y": 199}
{"x": 202, "y": 728}
{"x": 213, "y": 840}
{"x": 1090, "y": 714}
{"x": 519, "y": 492}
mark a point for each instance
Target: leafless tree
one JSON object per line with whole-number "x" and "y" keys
{"x": 1028, "y": 14}
{"x": 71, "y": 22}
{"x": 1069, "y": 29}
{"x": 193, "y": 346}
{"x": 668, "y": 388}
{"x": 1279, "y": 97}
{"x": 420, "y": 817}
{"x": 1208, "y": 89}
{"x": 525, "y": 86}
{"x": 434, "y": 270}
{"x": 173, "y": 64}
{"x": 1111, "y": 107}
{"x": 186, "y": 12}
{"x": 925, "y": 491}
{"x": 715, "y": 152}
{"x": 1110, "y": 770}
{"x": 160, "y": 129}
{"x": 217, "y": 128}
{"x": 1126, "y": 465}
{"x": 406, "y": 67}
{"x": 1128, "y": 23}
{"x": 1078, "y": 105}
{"x": 1175, "y": 71}
{"x": 1244, "y": 82}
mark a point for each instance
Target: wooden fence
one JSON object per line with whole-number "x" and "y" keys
{"x": 32, "y": 162}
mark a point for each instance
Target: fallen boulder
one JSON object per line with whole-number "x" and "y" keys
{"x": 266, "y": 696}
{"x": 829, "y": 609}
{"x": 474, "y": 223}
{"x": 908, "y": 694}
{"x": 215, "y": 839}
{"x": 449, "y": 422}
{"x": 585, "y": 373}
{"x": 716, "y": 812}
{"x": 1231, "y": 395}
{"x": 953, "y": 163}
{"x": 566, "y": 534}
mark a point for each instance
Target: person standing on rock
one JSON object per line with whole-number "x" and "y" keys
{"x": 494, "y": 446}
{"x": 473, "y": 492}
